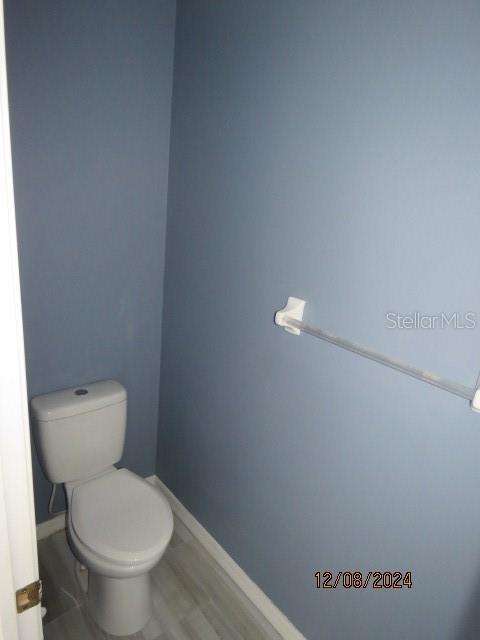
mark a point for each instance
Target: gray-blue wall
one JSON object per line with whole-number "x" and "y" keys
{"x": 328, "y": 150}
{"x": 90, "y": 96}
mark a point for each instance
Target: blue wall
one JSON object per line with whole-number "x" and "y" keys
{"x": 90, "y": 96}
{"x": 328, "y": 150}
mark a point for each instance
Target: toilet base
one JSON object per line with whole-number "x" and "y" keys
{"x": 120, "y": 606}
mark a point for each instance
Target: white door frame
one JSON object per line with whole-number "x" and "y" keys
{"x": 18, "y": 550}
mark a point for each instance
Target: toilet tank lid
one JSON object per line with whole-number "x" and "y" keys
{"x": 72, "y": 402}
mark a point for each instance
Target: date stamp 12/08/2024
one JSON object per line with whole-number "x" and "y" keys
{"x": 363, "y": 580}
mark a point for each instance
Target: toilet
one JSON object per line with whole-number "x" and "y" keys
{"x": 118, "y": 524}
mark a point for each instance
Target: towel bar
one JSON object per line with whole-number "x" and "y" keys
{"x": 291, "y": 319}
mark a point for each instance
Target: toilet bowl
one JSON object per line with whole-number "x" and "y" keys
{"x": 118, "y": 525}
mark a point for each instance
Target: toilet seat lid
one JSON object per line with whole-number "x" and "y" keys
{"x": 121, "y": 517}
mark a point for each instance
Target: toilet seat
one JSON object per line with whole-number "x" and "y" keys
{"x": 121, "y": 518}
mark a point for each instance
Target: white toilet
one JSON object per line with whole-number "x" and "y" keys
{"x": 118, "y": 524}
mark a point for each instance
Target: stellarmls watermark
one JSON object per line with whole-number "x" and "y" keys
{"x": 443, "y": 320}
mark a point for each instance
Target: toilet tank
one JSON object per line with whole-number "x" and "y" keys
{"x": 80, "y": 431}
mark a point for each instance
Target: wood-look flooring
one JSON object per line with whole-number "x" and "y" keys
{"x": 193, "y": 597}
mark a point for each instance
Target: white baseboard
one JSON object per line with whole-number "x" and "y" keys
{"x": 46, "y": 528}
{"x": 259, "y": 599}
{"x": 245, "y": 584}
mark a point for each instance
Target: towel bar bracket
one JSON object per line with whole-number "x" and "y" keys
{"x": 293, "y": 309}
{"x": 475, "y": 401}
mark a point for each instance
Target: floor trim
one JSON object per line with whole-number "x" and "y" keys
{"x": 52, "y": 525}
{"x": 261, "y": 601}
